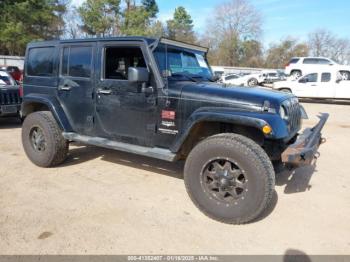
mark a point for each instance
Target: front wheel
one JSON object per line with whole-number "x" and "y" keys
{"x": 252, "y": 82}
{"x": 229, "y": 178}
{"x": 42, "y": 140}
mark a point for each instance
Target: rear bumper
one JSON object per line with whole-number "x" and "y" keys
{"x": 304, "y": 150}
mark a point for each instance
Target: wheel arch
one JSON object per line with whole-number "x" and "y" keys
{"x": 38, "y": 102}
{"x": 205, "y": 125}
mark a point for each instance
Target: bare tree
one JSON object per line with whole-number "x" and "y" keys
{"x": 72, "y": 24}
{"x": 324, "y": 43}
{"x": 232, "y": 23}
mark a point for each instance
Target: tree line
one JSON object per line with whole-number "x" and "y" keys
{"x": 233, "y": 33}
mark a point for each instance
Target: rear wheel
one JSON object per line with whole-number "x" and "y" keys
{"x": 229, "y": 178}
{"x": 345, "y": 75}
{"x": 42, "y": 139}
{"x": 296, "y": 74}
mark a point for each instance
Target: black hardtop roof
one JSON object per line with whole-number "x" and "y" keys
{"x": 148, "y": 40}
{"x": 97, "y": 39}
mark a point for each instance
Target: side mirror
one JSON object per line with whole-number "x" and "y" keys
{"x": 303, "y": 80}
{"x": 138, "y": 74}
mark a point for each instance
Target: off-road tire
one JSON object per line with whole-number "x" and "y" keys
{"x": 56, "y": 148}
{"x": 249, "y": 156}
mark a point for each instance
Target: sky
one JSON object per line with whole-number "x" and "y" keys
{"x": 281, "y": 18}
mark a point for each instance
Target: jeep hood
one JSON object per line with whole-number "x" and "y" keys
{"x": 233, "y": 95}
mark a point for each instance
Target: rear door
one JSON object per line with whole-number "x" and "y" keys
{"x": 327, "y": 86}
{"x": 76, "y": 85}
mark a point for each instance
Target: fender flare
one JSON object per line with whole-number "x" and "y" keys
{"x": 52, "y": 103}
{"x": 197, "y": 117}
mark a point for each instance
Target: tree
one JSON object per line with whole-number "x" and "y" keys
{"x": 279, "y": 54}
{"x": 99, "y": 17}
{"x": 139, "y": 19}
{"x": 324, "y": 43}
{"x": 234, "y": 27}
{"x": 22, "y": 21}
{"x": 181, "y": 26}
{"x": 151, "y": 7}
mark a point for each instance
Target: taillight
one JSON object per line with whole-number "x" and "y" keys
{"x": 21, "y": 91}
{"x": 287, "y": 65}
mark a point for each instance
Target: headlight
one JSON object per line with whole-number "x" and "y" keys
{"x": 283, "y": 113}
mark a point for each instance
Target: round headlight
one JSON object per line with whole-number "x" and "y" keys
{"x": 283, "y": 112}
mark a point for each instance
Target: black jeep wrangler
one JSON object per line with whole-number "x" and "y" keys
{"x": 157, "y": 98}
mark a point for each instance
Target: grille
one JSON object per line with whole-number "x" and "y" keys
{"x": 9, "y": 97}
{"x": 294, "y": 114}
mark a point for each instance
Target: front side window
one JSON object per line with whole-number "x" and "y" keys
{"x": 76, "y": 61}
{"x": 310, "y": 78}
{"x": 175, "y": 61}
{"x": 40, "y": 61}
{"x": 119, "y": 59}
{"x": 326, "y": 77}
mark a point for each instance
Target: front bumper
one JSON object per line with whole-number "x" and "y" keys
{"x": 304, "y": 150}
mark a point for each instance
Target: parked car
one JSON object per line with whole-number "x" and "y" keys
{"x": 273, "y": 76}
{"x": 10, "y": 97}
{"x": 14, "y": 71}
{"x": 299, "y": 66}
{"x": 156, "y": 98}
{"x": 322, "y": 84}
{"x": 243, "y": 80}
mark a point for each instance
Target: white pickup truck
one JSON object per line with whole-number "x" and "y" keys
{"x": 321, "y": 84}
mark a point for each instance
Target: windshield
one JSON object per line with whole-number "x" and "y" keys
{"x": 176, "y": 62}
{"x": 6, "y": 79}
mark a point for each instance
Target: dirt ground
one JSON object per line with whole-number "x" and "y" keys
{"x": 106, "y": 202}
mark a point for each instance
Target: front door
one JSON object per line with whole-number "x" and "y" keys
{"x": 75, "y": 87}
{"x": 307, "y": 86}
{"x": 124, "y": 111}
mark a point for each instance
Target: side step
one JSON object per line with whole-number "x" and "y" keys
{"x": 155, "y": 152}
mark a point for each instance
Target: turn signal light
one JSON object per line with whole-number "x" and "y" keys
{"x": 267, "y": 129}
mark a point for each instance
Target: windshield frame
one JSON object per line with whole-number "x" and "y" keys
{"x": 182, "y": 48}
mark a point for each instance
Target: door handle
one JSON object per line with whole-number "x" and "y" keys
{"x": 65, "y": 88}
{"x": 104, "y": 91}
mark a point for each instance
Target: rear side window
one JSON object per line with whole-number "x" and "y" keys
{"x": 326, "y": 77}
{"x": 311, "y": 61}
{"x": 294, "y": 61}
{"x": 40, "y": 61}
{"x": 324, "y": 61}
{"x": 76, "y": 61}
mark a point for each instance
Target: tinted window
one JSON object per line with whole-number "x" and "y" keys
{"x": 311, "y": 77}
{"x": 231, "y": 77}
{"x": 326, "y": 77}
{"x": 294, "y": 61}
{"x": 76, "y": 61}
{"x": 119, "y": 59}
{"x": 310, "y": 61}
{"x": 40, "y": 61}
{"x": 324, "y": 61}
{"x": 65, "y": 56}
